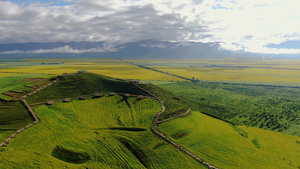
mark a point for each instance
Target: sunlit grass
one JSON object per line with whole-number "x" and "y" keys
{"x": 218, "y": 143}
{"x": 83, "y": 127}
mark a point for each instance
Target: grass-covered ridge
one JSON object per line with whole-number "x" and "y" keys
{"x": 84, "y": 134}
{"x": 78, "y": 84}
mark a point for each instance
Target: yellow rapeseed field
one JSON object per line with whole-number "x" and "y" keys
{"x": 113, "y": 68}
{"x": 272, "y": 63}
{"x": 235, "y": 74}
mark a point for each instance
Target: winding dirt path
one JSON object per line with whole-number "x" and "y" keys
{"x": 36, "y": 120}
{"x": 156, "y": 122}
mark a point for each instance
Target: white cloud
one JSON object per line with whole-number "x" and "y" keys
{"x": 65, "y": 49}
{"x": 265, "y": 22}
{"x": 161, "y": 46}
{"x": 236, "y": 25}
{"x": 8, "y": 8}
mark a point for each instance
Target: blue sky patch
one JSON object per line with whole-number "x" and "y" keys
{"x": 293, "y": 44}
{"x": 218, "y": 6}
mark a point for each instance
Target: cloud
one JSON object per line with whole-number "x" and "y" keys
{"x": 161, "y": 46}
{"x": 88, "y": 20}
{"x": 236, "y": 25}
{"x": 253, "y": 24}
{"x": 65, "y": 49}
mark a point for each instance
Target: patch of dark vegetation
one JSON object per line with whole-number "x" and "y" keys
{"x": 136, "y": 151}
{"x": 240, "y": 131}
{"x": 70, "y": 156}
{"x": 111, "y": 94}
{"x": 159, "y": 145}
{"x": 179, "y": 135}
{"x": 137, "y": 100}
{"x": 298, "y": 142}
{"x": 2, "y": 149}
{"x": 80, "y": 84}
{"x": 128, "y": 128}
{"x": 218, "y": 118}
{"x": 67, "y": 100}
{"x": 120, "y": 121}
{"x": 82, "y": 97}
{"x": 95, "y": 96}
{"x": 124, "y": 98}
{"x": 2, "y": 101}
{"x": 255, "y": 143}
{"x": 3, "y": 130}
{"x": 14, "y": 115}
{"x": 50, "y": 102}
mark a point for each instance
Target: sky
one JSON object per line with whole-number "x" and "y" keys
{"x": 258, "y": 26}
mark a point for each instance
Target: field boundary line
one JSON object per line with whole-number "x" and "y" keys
{"x": 36, "y": 120}
{"x": 156, "y": 122}
{"x": 159, "y": 71}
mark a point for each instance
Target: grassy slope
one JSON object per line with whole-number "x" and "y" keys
{"x": 81, "y": 126}
{"x": 271, "y": 108}
{"x": 13, "y": 116}
{"x": 82, "y": 84}
{"x": 173, "y": 104}
{"x": 218, "y": 143}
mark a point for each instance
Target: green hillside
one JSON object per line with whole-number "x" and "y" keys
{"x": 78, "y": 84}
{"x": 107, "y": 132}
{"x": 114, "y": 131}
{"x": 14, "y": 115}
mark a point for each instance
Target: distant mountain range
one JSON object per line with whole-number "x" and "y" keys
{"x": 141, "y": 49}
